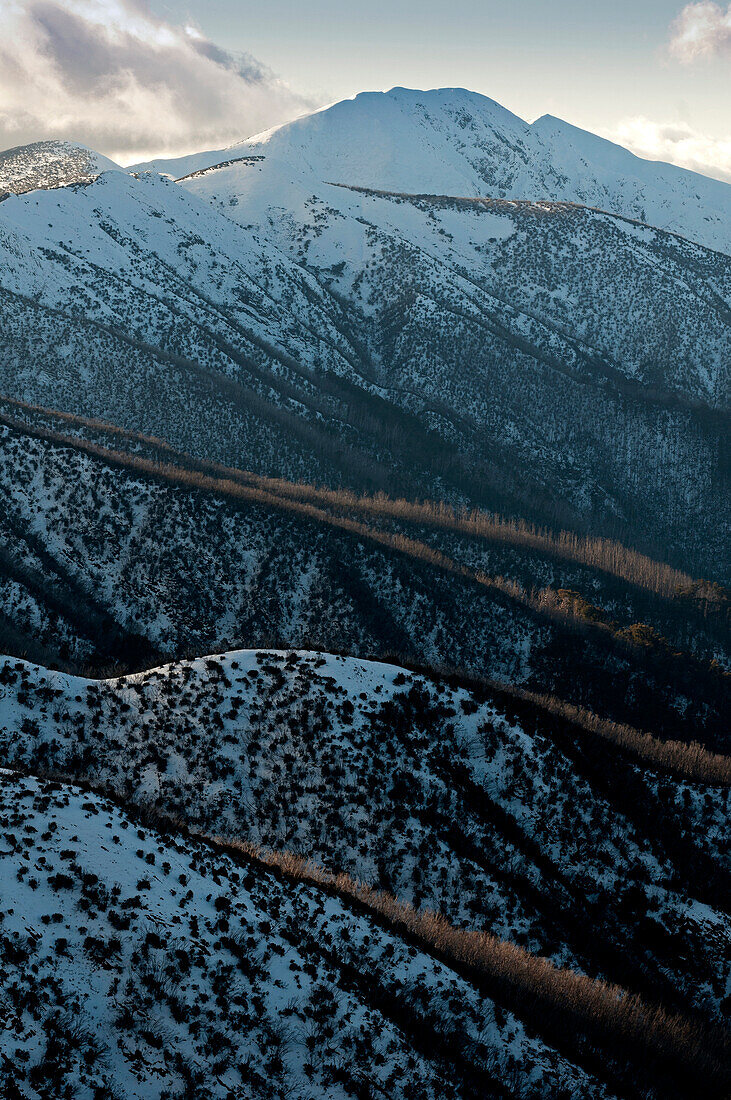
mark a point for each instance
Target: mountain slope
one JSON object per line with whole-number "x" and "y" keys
{"x": 173, "y": 951}
{"x": 496, "y": 814}
{"x": 142, "y": 965}
{"x": 527, "y": 358}
{"x": 113, "y": 556}
{"x": 451, "y": 141}
{"x": 412, "y": 381}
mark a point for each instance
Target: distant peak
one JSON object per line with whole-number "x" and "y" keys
{"x": 50, "y": 164}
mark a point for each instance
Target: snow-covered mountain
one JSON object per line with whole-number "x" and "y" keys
{"x": 523, "y": 350}
{"x": 50, "y": 164}
{"x": 543, "y": 359}
{"x": 459, "y": 143}
{"x": 431, "y": 406}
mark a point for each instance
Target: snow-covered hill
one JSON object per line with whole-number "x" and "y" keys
{"x": 493, "y": 812}
{"x": 102, "y": 562}
{"x": 414, "y": 785}
{"x": 144, "y": 965}
{"x": 50, "y": 164}
{"x": 455, "y": 142}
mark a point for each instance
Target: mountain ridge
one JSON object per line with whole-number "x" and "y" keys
{"x": 44, "y": 164}
{"x": 354, "y": 313}
{"x": 174, "y": 562}
{"x": 471, "y": 145}
{"x": 549, "y": 159}
{"x": 362, "y": 549}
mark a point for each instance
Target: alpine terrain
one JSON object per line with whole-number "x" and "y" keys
{"x": 364, "y": 620}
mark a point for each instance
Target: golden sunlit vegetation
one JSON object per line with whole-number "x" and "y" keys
{"x": 551, "y": 997}
{"x": 368, "y": 518}
{"x": 670, "y": 1052}
{"x": 339, "y": 506}
{"x": 603, "y": 554}
{"x": 690, "y": 760}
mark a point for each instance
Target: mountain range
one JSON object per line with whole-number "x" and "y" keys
{"x": 364, "y": 688}
{"x": 512, "y": 347}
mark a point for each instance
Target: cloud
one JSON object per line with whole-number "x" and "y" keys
{"x": 700, "y": 31}
{"x": 677, "y": 143}
{"x": 110, "y": 74}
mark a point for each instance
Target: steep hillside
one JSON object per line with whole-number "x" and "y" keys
{"x": 492, "y": 811}
{"x": 111, "y": 556}
{"x": 140, "y": 965}
{"x": 524, "y": 357}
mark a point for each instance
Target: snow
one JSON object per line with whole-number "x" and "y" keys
{"x": 362, "y": 765}
{"x": 451, "y": 141}
{"x": 146, "y": 950}
{"x": 50, "y": 164}
{"x": 317, "y": 753}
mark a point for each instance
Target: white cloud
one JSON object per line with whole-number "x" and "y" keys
{"x": 110, "y": 74}
{"x": 700, "y": 31}
{"x": 677, "y": 143}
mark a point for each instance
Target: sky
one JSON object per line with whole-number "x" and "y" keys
{"x": 138, "y": 78}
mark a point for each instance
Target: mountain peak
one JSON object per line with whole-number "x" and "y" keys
{"x": 44, "y": 164}
{"x": 453, "y": 141}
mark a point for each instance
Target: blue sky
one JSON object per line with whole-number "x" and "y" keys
{"x": 135, "y": 78}
{"x": 590, "y": 62}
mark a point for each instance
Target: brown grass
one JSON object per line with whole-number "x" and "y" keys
{"x": 687, "y": 759}
{"x": 674, "y": 1051}
{"x": 690, "y": 760}
{"x": 603, "y": 1009}
{"x": 606, "y": 555}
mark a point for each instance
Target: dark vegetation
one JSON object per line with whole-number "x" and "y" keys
{"x": 609, "y": 434}
{"x": 497, "y": 870}
{"x": 634, "y": 1048}
{"x": 454, "y": 796}
{"x": 582, "y": 649}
